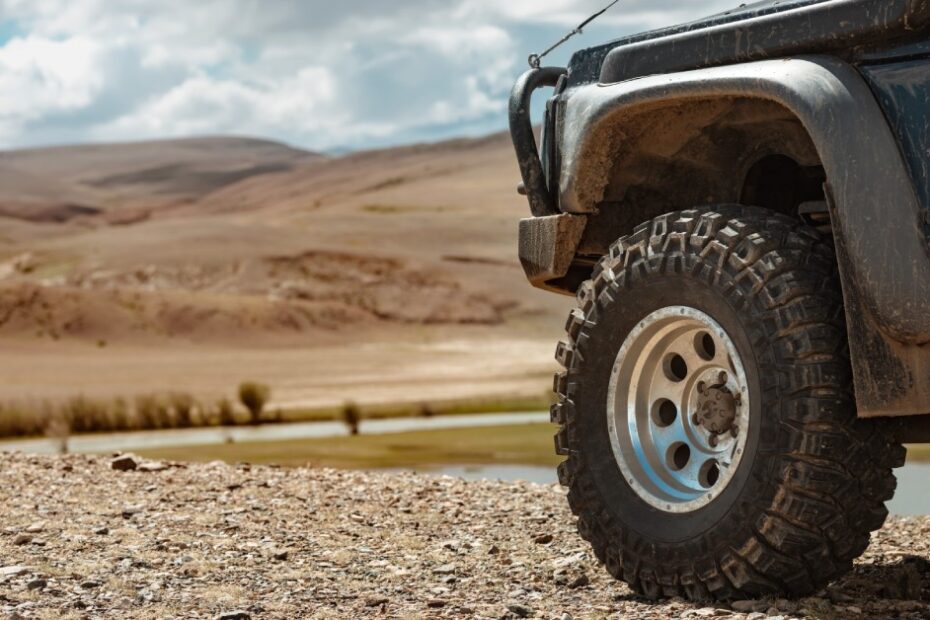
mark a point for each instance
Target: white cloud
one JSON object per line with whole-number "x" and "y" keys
{"x": 316, "y": 73}
{"x": 205, "y": 105}
{"x": 457, "y": 42}
{"x": 41, "y": 77}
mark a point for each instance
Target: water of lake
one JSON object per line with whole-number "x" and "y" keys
{"x": 911, "y": 497}
{"x": 146, "y": 440}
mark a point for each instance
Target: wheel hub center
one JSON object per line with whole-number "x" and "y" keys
{"x": 716, "y": 408}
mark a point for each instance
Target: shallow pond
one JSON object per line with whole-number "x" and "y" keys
{"x": 147, "y": 440}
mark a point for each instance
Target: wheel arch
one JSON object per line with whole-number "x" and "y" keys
{"x": 619, "y": 145}
{"x": 718, "y": 150}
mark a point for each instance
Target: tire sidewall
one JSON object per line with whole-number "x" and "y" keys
{"x": 612, "y": 327}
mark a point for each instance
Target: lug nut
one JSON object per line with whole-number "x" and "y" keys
{"x": 695, "y": 420}
{"x": 713, "y": 441}
{"x": 722, "y": 377}
{"x": 701, "y": 385}
{"x": 734, "y": 430}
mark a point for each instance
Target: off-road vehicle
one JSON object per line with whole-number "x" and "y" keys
{"x": 742, "y": 207}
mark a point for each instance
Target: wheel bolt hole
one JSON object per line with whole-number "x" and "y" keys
{"x": 664, "y": 412}
{"x": 675, "y": 367}
{"x": 678, "y": 456}
{"x": 709, "y": 474}
{"x": 705, "y": 346}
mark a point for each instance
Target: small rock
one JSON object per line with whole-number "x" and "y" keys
{"x": 102, "y": 531}
{"x": 838, "y": 596}
{"x": 90, "y": 584}
{"x": 22, "y": 539}
{"x": 124, "y": 462}
{"x": 280, "y": 555}
{"x": 132, "y": 509}
{"x": 579, "y": 582}
{"x": 816, "y": 606}
{"x": 543, "y": 539}
{"x": 784, "y": 604}
{"x": 36, "y": 527}
{"x": 376, "y": 601}
{"x": 445, "y": 569}
{"x": 13, "y": 571}
{"x": 36, "y": 584}
{"x": 494, "y": 550}
{"x": 744, "y": 606}
{"x": 435, "y": 603}
{"x": 566, "y": 616}
{"x": 521, "y": 611}
{"x": 151, "y": 466}
{"x": 234, "y": 615}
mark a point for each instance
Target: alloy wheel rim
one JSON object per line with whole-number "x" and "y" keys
{"x": 678, "y": 409}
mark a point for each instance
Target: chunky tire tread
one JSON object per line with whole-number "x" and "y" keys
{"x": 830, "y": 473}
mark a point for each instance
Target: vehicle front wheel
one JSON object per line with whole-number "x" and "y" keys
{"x": 707, "y": 414}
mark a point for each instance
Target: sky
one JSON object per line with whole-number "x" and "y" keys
{"x": 325, "y": 75}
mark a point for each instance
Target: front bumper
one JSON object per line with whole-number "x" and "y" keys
{"x": 549, "y": 239}
{"x": 547, "y": 250}
{"x": 542, "y": 201}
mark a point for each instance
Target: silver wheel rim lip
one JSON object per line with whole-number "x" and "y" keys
{"x": 639, "y": 444}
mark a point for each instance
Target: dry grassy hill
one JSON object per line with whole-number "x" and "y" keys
{"x": 96, "y": 178}
{"x": 187, "y": 247}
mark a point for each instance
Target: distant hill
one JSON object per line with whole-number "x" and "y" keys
{"x": 65, "y": 182}
{"x": 217, "y": 238}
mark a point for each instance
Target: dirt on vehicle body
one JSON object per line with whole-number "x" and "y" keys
{"x": 742, "y": 207}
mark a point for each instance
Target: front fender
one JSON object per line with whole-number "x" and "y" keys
{"x": 877, "y": 215}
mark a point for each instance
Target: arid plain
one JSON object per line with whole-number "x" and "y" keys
{"x": 191, "y": 265}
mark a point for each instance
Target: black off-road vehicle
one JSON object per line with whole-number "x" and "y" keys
{"x": 742, "y": 207}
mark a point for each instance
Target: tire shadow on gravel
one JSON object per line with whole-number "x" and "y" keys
{"x": 903, "y": 579}
{"x": 894, "y": 588}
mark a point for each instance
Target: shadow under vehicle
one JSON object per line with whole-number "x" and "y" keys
{"x": 742, "y": 207}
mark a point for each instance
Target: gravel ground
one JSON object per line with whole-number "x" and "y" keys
{"x": 79, "y": 539}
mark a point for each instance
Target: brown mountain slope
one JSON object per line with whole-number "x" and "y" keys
{"x": 419, "y": 234}
{"x": 132, "y": 175}
{"x": 402, "y": 257}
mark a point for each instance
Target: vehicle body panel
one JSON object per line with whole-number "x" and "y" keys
{"x": 866, "y": 107}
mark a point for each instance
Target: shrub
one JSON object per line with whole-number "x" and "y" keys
{"x": 122, "y": 417}
{"x": 18, "y": 420}
{"x": 253, "y": 397}
{"x": 225, "y": 412}
{"x": 152, "y": 412}
{"x": 84, "y": 415}
{"x": 183, "y": 406}
{"x": 351, "y": 416}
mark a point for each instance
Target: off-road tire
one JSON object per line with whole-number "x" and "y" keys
{"x": 815, "y": 484}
